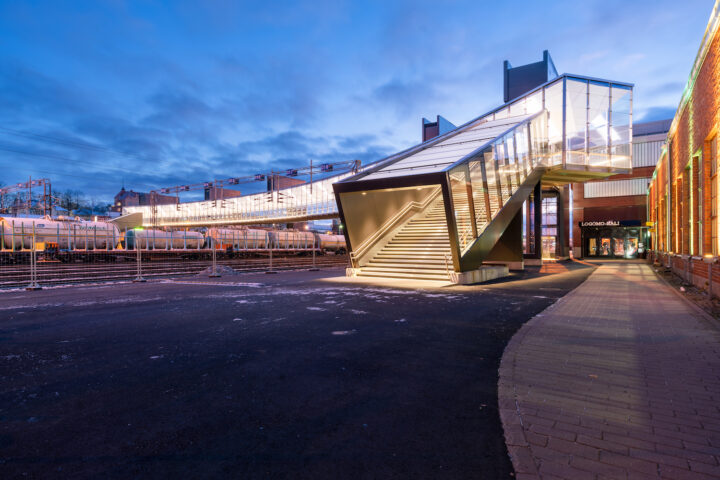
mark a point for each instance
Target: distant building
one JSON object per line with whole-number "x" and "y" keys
{"x": 518, "y": 81}
{"x": 215, "y": 193}
{"x": 278, "y": 182}
{"x": 434, "y": 129}
{"x": 130, "y": 198}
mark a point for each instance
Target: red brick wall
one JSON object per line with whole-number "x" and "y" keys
{"x": 696, "y": 124}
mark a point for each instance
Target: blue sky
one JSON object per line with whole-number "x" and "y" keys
{"x": 165, "y": 93}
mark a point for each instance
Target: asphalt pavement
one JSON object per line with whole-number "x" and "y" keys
{"x": 261, "y": 376}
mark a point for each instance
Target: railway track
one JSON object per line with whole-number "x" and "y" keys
{"x": 51, "y": 273}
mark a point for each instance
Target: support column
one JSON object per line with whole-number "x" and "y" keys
{"x": 508, "y": 249}
{"x": 561, "y": 250}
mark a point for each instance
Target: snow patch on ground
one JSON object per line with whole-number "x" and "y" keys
{"x": 344, "y": 332}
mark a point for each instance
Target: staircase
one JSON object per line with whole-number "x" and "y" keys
{"x": 418, "y": 251}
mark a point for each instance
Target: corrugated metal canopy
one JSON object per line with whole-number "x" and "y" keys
{"x": 439, "y": 156}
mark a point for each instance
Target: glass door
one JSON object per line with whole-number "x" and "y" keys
{"x": 592, "y": 247}
{"x": 605, "y": 247}
{"x": 549, "y": 244}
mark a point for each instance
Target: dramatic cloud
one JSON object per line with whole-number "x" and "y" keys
{"x": 95, "y": 94}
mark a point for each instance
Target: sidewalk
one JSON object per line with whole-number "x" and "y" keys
{"x": 619, "y": 379}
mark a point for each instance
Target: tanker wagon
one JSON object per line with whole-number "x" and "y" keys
{"x": 245, "y": 239}
{"x": 331, "y": 243}
{"x": 162, "y": 240}
{"x": 17, "y": 233}
{"x": 292, "y": 240}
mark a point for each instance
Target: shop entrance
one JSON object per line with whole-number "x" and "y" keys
{"x": 615, "y": 242}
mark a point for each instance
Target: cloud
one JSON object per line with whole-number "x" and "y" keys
{"x": 188, "y": 92}
{"x": 655, "y": 113}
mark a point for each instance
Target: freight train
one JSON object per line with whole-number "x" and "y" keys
{"x": 18, "y": 234}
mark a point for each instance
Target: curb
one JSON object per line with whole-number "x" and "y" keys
{"x": 510, "y": 416}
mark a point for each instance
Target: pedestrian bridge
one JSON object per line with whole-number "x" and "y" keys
{"x": 309, "y": 201}
{"x": 447, "y": 208}
{"x": 454, "y": 203}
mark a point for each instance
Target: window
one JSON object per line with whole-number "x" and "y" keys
{"x": 616, "y": 188}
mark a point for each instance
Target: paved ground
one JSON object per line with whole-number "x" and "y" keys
{"x": 619, "y": 379}
{"x": 260, "y": 376}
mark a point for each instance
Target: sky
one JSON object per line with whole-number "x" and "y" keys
{"x": 151, "y": 94}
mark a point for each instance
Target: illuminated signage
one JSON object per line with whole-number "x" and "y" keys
{"x": 606, "y": 223}
{"x": 611, "y": 223}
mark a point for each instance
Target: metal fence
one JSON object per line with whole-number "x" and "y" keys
{"x": 39, "y": 256}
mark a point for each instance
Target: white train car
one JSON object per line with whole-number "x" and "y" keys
{"x": 162, "y": 240}
{"x": 331, "y": 243}
{"x": 245, "y": 239}
{"x": 292, "y": 240}
{"x": 17, "y": 233}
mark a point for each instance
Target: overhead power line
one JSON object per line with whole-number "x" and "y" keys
{"x": 67, "y": 143}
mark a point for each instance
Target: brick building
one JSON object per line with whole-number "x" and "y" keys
{"x": 683, "y": 193}
{"x": 130, "y": 198}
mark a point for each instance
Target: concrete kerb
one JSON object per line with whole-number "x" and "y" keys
{"x": 510, "y": 416}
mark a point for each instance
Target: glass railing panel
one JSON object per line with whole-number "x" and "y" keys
{"x": 461, "y": 192}
{"x": 500, "y": 148}
{"x": 534, "y": 103}
{"x": 521, "y": 151}
{"x": 512, "y": 164}
{"x": 491, "y": 181}
{"x": 620, "y": 131}
{"x": 538, "y": 129}
{"x": 481, "y": 200}
{"x": 598, "y": 113}
{"x": 576, "y": 122}
{"x": 554, "y": 106}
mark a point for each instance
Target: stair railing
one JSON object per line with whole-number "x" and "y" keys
{"x": 391, "y": 223}
{"x": 464, "y": 237}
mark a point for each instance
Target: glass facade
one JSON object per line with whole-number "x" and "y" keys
{"x": 577, "y": 123}
{"x": 494, "y": 176}
{"x": 569, "y": 126}
{"x": 589, "y": 121}
{"x": 615, "y": 242}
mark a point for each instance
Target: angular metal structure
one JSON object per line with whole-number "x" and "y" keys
{"x": 453, "y": 202}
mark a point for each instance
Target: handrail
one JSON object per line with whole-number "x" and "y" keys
{"x": 391, "y": 223}
{"x": 464, "y": 236}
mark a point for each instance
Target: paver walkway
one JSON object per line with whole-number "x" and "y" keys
{"x": 618, "y": 379}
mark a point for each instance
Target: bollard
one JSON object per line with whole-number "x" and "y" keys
{"x": 139, "y": 278}
{"x": 214, "y": 273}
{"x": 270, "y": 271}
{"x": 314, "y": 268}
{"x": 33, "y": 266}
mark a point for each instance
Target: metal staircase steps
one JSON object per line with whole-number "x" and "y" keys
{"x": 419, "y": 251}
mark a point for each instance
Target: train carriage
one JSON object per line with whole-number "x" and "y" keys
{"x": 18, "y": 233}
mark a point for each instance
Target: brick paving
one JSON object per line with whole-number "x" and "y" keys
{"x": 620, "y": 379}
